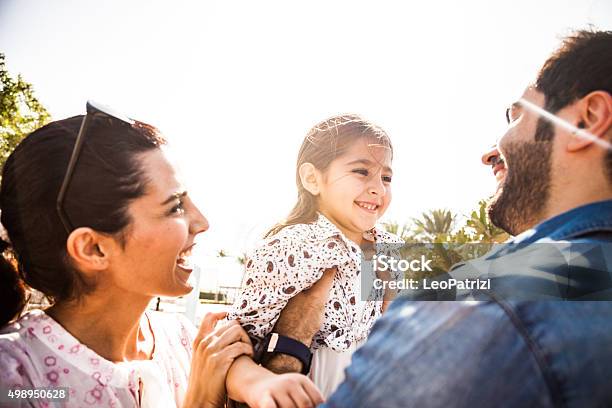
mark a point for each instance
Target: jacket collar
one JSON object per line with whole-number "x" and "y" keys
{"x": 590, "y": 218}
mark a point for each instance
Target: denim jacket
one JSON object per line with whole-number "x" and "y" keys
{"x": 498, "y": 352}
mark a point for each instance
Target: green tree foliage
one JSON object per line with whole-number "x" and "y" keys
{"x": 20, "y": 111}
{"x": 481, "y": 228}
{"x": 434, "y": 226}
{"x": 438, "y": 235}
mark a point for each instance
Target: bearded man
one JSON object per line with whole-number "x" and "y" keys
{"x": 554, "y": 172}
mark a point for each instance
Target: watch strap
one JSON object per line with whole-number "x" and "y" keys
{"x": 277, "y": 343}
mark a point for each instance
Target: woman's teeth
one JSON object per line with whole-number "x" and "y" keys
{"x": 184, "y": 258}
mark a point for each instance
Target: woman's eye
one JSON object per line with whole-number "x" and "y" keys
{"x": 386, "y": 179}
{"x": 179, "y": 208}
{"x": 363, "y": 172}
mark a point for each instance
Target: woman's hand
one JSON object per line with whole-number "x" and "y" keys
{"x": 214, "y": 351}
{"x": 283, "y": 390}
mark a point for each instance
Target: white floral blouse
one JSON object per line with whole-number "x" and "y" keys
{"x": 293, "y": 260}
{"x": 36, "y": 351}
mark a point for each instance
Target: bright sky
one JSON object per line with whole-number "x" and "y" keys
{"x": 235, "y": 86}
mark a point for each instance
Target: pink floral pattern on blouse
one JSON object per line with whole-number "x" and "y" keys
{"x": 36, "y": 351}
{"x": 293, "y": 260}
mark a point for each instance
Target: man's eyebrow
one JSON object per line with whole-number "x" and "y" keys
{"x": 369, "y": 163}
{"x": 175, "y": 196}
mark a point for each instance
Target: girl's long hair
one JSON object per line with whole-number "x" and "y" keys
{"x": 324, "y": 143}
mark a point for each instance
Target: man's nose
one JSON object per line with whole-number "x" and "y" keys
{"x": 490, "y": 156}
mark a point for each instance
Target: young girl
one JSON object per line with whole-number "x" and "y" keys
{"x": 344, "y": 186}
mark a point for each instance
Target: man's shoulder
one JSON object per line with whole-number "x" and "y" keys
{"x": 560, "y": 348}
{"x": 551, "y": 319}
{"x": 577, "y": 269}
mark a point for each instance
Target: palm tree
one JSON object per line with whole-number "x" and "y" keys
{"x": 436, "y": 235}
{"x": 242, "y": 259}
{"x": 435, "y": 225}
{"x": 403, "y": 231}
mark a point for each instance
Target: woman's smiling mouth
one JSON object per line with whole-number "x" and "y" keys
{"x": 183, "y": 261}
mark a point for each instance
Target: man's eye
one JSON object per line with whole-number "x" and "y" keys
{"x": 386, "y": 179}
{"x": 363, "y": 172}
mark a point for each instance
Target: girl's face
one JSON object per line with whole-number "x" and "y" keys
{"x": 158, "y": 241}
{"x": 355, "y": 191}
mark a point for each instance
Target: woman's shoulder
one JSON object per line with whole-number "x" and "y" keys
{"x": 12, "y": 338}
{"x": 19, "y": 350}
{"x": 20, "y": 331}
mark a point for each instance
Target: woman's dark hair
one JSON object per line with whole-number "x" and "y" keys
{"x": 107, "y": 177}
{"x": 324, "y": 143}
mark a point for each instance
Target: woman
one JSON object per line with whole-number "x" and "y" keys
{"x": 100, "y": 237}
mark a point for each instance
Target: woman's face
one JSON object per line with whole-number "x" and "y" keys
{"x": 165, "y": 222}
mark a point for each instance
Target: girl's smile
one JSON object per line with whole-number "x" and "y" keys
{"x": 355, "y": 191}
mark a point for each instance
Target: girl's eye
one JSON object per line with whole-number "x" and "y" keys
{"x": 363, "y": 172}
{"x": 386, "y": 179}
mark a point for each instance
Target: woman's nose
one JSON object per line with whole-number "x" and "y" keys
{"x": 199, "y": 223}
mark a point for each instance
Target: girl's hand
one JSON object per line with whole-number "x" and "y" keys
{"x": 283, "y": 391}
{"x": 214, "y": 350}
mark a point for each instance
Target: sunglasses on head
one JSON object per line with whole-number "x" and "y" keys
{"x": 93, "y": 110}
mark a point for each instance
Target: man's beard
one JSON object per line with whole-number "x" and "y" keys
{"x": 523, "y": 195}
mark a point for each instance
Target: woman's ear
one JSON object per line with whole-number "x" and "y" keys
{"x": 594, "y": 116}
{"x": 310, "y": 178}
{"x": 88, "y": 250}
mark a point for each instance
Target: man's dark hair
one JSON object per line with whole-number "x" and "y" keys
{"x": 582, "y": 64}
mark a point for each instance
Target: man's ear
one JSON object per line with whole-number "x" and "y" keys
{"x": 88, "y": 250}
{"x": 594, "y": 116}
{"x": 310, "y": 177}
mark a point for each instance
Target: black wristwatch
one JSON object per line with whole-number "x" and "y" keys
{"x": 277, "y": 343}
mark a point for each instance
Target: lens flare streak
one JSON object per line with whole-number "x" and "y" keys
{"x": 565, "y": 124}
